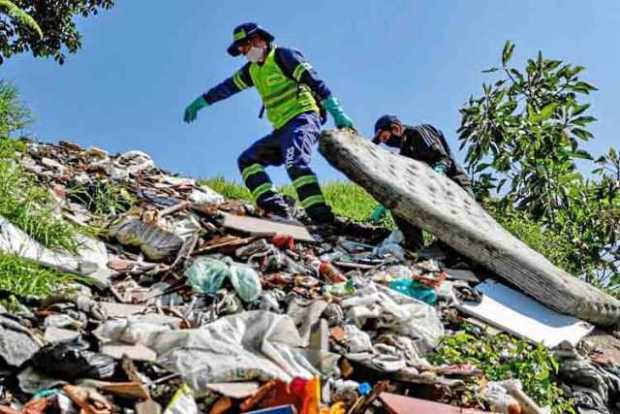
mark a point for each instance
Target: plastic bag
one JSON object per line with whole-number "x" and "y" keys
{"x": 499, "y": 400}
{"x": 70, "y": 361}
{"x": 182, "y": 402}
{"x": 415, "y": 289}
{"x": 207, "y": 275}
{"x": 391, "y": 245}
{"x": 155, "y": 243}
{"x": 246, "y": 282}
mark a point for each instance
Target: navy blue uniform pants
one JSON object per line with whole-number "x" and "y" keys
{"x": 292, "y": 147}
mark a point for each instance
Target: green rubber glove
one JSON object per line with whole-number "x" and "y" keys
{"x": 440, "y": 169}
{"x": 378, "y": 213}
{"x": 192, "y": 110}
{"x": 335, "y": 110}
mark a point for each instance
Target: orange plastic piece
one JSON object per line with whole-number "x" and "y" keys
{"x": 312, "y": 397}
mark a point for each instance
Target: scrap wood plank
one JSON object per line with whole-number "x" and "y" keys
{"x": 435, "y": 203}
{"x": 226, "y": 241}
{"x": 399, "y": 404}
{"x": 253, "y": 225}
{"x": 513, "y": 312}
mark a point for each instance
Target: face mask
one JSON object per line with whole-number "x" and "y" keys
{"x": 255, "y": 54}
{"x": 393, "y": 141}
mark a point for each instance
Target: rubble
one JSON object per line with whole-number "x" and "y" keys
{"x": 199, "y": 304}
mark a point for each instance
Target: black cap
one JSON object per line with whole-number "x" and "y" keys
{"x": 384, "y": 123}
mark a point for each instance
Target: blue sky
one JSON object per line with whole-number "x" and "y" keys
{"x": 143, "y": 62}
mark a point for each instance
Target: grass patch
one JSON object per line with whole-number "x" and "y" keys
{"x": 102, "y": 198}
{"x": 346, "y": 199}
{"x": 227, "y": 188}
{"x": 29, "y": 205}
{"x": 504, "y": 357}
{"x": 27, "y": 278}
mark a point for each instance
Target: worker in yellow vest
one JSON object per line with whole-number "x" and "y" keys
{"x": 294, "y": 98}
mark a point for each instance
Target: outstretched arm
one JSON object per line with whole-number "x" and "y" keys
{"x": 236, "y": 83}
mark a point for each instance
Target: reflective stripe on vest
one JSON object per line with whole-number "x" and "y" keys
{"x": 283, "y": 98}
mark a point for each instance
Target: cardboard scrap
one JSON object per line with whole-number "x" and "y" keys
{"x": 254, "y": 225}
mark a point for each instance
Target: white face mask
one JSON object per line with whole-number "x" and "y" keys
{"x": 255, "y": 54}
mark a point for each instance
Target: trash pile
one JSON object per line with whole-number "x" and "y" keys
{"x": 191, "y": 303}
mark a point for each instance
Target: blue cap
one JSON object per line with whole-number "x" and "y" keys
{"x": 243, "y": 32}
{"x": 384, "y": 124}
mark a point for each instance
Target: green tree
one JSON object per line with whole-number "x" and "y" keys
{"x": 46, "y": 28}
{"x": 14, "y": 116}
{"x": 523, "y": 138}
{"x": 20, "y": 17}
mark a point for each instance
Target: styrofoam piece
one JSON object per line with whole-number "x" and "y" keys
{"x": 515, "y": 313}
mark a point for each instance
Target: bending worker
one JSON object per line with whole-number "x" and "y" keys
{"x": 293, "y": 97}
{"x": 422, "y": 143}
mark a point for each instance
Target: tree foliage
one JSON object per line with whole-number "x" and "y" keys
{"x": 524, "y": 137}
{"x": 20, "y": 16}
{"x": 46, "y": 28}
{"x": 14, "y": 116}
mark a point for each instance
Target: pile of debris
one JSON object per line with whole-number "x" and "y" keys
{"x": 194, "y": 303}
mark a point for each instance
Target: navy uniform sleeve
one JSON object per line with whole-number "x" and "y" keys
{"x": 239, "y": 81}
{"x": 295, "y": 66}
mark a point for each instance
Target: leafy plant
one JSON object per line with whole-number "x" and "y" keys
{"x": 525, "y": 132}
{"x": 544, "y": 240}
{"x": 503, "y": 357}
{"x": 523, "y": 138}
{"x": 14, "y": 116}
{"x": 46, "y": 28}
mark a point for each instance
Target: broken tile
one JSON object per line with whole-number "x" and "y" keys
{"x": 148, "y": 407}
{"x": 57, "y": 335}
{"x": 121, "y": 310}
{"x": 236, "y": 390}
{"x": 460, "y": 274}
{"x": 134, "y": 352}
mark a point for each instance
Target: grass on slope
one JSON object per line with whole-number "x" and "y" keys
{"x": 26, "y": 278}
{"x": 29, "y": 205}
{"x": 345, "y": 198}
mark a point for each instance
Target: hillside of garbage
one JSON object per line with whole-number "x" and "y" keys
{"x": 173, "y": 298}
